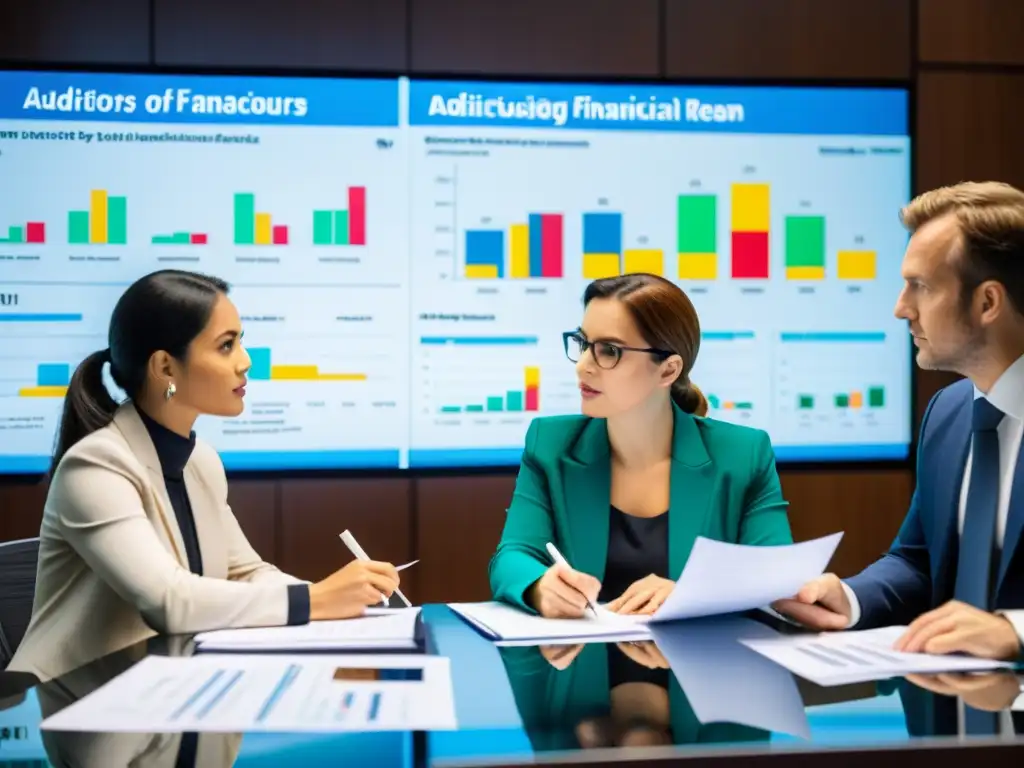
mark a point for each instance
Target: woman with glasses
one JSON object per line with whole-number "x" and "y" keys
{"x": 623, "y": 490}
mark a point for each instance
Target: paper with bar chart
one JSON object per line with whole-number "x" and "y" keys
{"x": 785, "y": 225}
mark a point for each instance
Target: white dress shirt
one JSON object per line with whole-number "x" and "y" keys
{"x": 1007, "y": 394}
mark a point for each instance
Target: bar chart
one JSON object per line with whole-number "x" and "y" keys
{"x": 529, "y": 249}
{"x": 52, "y": 380}
{"x": 104, "y": 223}
{"x": 253, "y": 227}
{"x": 604, "y": 252}
{"x": 264, "y": 368}
{"x": 342, "y": 227}
{"x": 837, "y": 383}
{"x": 31, "y": 233}
{"x": 480, "y": 393}
{"x": 517, "y": 400}
{"x": 730, "y": 371}
{"x": 181, "y": 238}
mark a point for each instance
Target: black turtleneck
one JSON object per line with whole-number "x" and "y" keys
{"x": 174, "y": 451}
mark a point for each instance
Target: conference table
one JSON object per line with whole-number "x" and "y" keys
{"x": 693, "y": 697}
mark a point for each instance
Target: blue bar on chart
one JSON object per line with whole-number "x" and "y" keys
{"x": 833, "y": 337}
{"x": 602, "y": 245}
{"x": 260, "y": 358}
{"x": 536, "y": 244}
{"x": 485, "y": 253}
{"x": 53, "y": 374}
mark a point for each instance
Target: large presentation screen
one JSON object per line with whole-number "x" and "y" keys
{"x": 406, "y": 254}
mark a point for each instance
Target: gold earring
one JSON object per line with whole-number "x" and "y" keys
{"x": 169, "y": 392}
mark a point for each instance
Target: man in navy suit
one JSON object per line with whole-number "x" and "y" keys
{"x": 955, "y": 573}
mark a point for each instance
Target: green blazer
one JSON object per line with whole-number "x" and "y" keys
{"x": 723, "y": 486}
{"x": 552, "y": 702}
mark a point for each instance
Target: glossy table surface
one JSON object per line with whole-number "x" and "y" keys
{"x": 695, "y": 690}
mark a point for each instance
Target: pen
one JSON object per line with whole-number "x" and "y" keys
{"x": 557, "y": 557}
{"x": 355, "y": 549}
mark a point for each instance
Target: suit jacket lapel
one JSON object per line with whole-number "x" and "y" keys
{"x": 691, "y": 490}
{"x": 128, "y": 422}
{"x": 1014, "y": 521}
{"x": 205, "y": 515}
{"x": 948, "y": 462}
{"x": 588, "y": 479}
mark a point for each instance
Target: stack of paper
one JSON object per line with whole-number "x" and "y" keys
{"x": 379, "y": 628}
{"x": 857, "y": 656}
{"x": 718, "y": 579}
{"x": 220, "y": 693}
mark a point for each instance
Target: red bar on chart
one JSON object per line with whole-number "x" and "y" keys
{"x": 750, "y": 255}
{"x": 35, "y": 232}
{"x": 197, "y": 239}
{"x": 532, "y": 399}
{"x": 551, "y": 245}
{"x": 357, "y": 215}
{"x": 280, "y": 235}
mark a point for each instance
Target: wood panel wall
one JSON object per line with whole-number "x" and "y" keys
{"x": 962, "y": 57}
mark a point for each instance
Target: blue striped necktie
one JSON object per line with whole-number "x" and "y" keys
{"x": 974, "y": 571}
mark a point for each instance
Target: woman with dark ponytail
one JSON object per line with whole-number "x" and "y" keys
{"x": 137, "y": 536}
{"x": 624, "y": 490}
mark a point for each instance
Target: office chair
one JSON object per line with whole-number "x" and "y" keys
{"x": 18, "y": 576}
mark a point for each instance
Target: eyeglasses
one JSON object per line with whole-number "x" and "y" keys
{"x": 605, "y": 353}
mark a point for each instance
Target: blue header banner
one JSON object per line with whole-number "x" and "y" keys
{"x": 719, "y": 109}
{"x": 198, "y": 99}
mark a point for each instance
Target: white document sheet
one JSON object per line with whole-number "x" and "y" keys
{"x": 228, "y": 693}
{"x": 510, "y": 626}
{"x": 381, "y": 628}
{"x": 721, "y": 578}
{"x": 718, "y": 579}
{"x": 858, "y": 656}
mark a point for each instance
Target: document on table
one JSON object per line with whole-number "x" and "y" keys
{"x": 718, "y": 578}
{"x": 858, "y": 656}
{"x": 228, "y": 693}
{"x": 509, "y": 625}
{"x": 378, "y": 628}
{"x": 721, "y": 578}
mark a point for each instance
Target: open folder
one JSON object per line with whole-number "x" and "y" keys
{"x": 718, "y": 578}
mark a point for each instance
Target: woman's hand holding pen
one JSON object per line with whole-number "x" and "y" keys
{"x": 347, "y": 592}
{"x": 563, "y": 593}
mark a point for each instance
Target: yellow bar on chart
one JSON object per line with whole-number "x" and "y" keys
{"x": 532, "y": 376}
{"x": 857, "y": 265}
{"x": 750, "y": 208}
{"x": 650, "y": 260}
{"x": 42, "y": 392}
{"x": 698, "y": 266}
{"x": 856, "y": 399}
{"x": 294, "y": 372}
{"x": 341, "y": 377}
{"x": 805, "y": 273}
{"x": 519, "y": 240}
{"x": 481, "y": 271}
{"x": 98, "y": 216}
{"x": 597, "y": 265}
{"x": 262, "y": 229}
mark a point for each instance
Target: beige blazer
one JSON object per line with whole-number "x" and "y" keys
{"x": 112, "y": 566}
